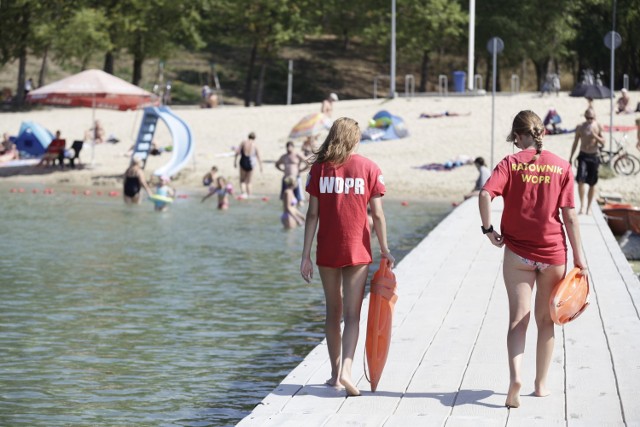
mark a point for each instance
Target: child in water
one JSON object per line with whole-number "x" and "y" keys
{"x": 164, "y": 190}
{"x": 291, "y": 216}
{"x": 222, "y": 188}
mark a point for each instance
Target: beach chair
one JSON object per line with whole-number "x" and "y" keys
{"x": 76, "y": 147}
{"x": 55, "y": 151}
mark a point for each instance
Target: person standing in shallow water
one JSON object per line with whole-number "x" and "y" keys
{"x": 536, "y": 186}
{"x": 341, "y": 185}
{"x": 249, "y": 157}
{"x": 134, "y": 181}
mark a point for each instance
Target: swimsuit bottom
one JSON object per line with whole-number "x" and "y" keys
{"x": 538, "y": 265}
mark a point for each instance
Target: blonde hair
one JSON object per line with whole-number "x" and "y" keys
{"x": 527, "y": 122}
{"x": 343, "y": 137}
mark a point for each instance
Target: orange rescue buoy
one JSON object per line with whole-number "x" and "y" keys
{"x": 569, "y": 298}
{"x": 382, "y": 300}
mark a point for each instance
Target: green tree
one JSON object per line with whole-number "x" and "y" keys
{"x": 425, "y": 26}
{"x": 538, "y": 31}
{"x": 82, "y": 37}
{"x": 629, "y": 52}
{"x": 16, "y": 35}
{"x": 155, "y": 28}
{"x": 264, "y": 26}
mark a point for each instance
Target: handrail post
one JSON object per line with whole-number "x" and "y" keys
{"x": 515, "y": 83}
{"x": 375, "y": 87}
{"x": 477, "y": 86}
{"x": 409, "y": 83}
{"x": 443, "y": 85}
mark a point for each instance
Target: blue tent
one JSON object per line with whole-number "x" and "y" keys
{"x": 385, "y": 126}
{"x": 33, "y": 139}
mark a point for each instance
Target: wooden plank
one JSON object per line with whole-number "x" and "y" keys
{"x": 618, "y": 317}
{"x": 422, "y": 420}
{"x": 448, "y": 358}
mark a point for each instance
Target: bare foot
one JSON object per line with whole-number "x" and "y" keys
{"x": 513, "y": 396}
{"x": 333, "y": 382}
{"x": 588, "y": 212}
{"x": 349, "y": 387}
{"x": 541, "y": 391}
{"x": 581, "y": 212}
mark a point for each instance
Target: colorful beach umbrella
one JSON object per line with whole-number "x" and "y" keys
{"x": 93, "y": 88}
{"x": 310, "y": 125}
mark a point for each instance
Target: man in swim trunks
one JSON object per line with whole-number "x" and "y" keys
{"x": 590, "y": 136}
{"x": 292, "y": 163}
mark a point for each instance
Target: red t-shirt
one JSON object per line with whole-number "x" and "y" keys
{"x": 343, "y": 194}
{"x": 533, "y": 195}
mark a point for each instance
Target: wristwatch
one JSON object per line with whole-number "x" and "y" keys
{"x": 486, "y": 230}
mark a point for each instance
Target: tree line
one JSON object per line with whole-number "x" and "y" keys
{"x": 548, "y": 33}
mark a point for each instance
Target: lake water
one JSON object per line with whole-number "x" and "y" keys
{"x": 115, "y": 315}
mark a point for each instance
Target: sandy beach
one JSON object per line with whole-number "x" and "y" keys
{"x": 217, "y": 132}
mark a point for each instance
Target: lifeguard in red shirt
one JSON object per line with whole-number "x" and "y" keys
{"x": 341, "y": 185}
{"x": 537, "y": 188}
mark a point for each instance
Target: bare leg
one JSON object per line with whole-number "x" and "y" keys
{"x": 331, "y": 282}
{"x": 581, "y": 195}
{"x": 545, "y": 281}
{"x": 590, "y": 194}
{"x": 247, "y": 181}
{"x": 354, "y": 279}
{"x": 519, "y": 279}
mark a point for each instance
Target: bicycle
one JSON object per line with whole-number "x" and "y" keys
{"x": 623, "y": 162}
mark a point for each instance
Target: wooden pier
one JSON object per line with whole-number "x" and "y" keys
{"x": 448, "y": 359}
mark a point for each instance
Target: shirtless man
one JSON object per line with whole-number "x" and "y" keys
{"x": 292, "y": 164}
{"x": 590, "y": 136}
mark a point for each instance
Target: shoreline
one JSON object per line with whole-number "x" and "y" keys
{"x": 216, "y": 132}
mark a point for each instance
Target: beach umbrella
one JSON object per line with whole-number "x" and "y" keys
{"x": 93, "y": 88}
{"x": 591, "y": 91}
{"x": 310, "y": 125}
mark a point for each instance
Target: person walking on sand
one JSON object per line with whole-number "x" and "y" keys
{"x": 133, "y": 180}
{"x": 249, "y": 156}
{"x": 590, "y": 136}
{"x": 341, "y": 184}
{"x": 536, "y": 186}
{"x": 292, "y": 163}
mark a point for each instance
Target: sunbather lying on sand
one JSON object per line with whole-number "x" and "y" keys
{"x": 445, "y": 114}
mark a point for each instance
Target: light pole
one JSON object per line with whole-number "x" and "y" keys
{"x": 612, "y": 40}
{"x": 392, "y": 77}
{"x": 495, "y": 45}
{"x": 472, "y": 41}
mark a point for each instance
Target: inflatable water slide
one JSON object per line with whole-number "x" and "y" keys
{"x": 180, "y": 132}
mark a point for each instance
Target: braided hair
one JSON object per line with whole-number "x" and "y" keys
{"x": 527, "y": 122}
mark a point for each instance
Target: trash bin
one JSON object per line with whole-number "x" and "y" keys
{"x": 459, "y": 78}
